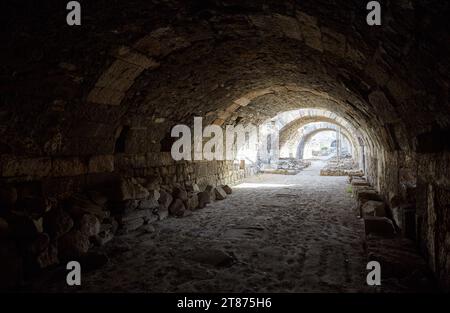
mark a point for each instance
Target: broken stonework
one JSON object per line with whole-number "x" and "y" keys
{"x": 374, "y": 208}
{"x": 57, "y": 222}
{"x": 129, "y": 188}
{"x": 227, "y": 189}
{"x": 204, "y": 198}
{"x": 220, "y": 193}
{"x": 73, "y": 245}
{"x": 177, "y": 208}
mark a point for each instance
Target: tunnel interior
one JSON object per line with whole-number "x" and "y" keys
{"x": 86, "y": 112}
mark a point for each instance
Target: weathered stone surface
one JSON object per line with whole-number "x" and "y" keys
{"x": 34, "y": 206}
{"x": 211, "y": 191}
{"x": 220, "y": 193}
{"x": 153, "y": 183}
{"x": 204, "y": 198}
{"x": 74, "y": 244}
{"x": 89, "y": 225}
{"x": 162, "y": 212}
{"x": 148, "y": 204}
{"x": 192, "y": 187}
{"x": 359, "y": 182}
{"x": 103, "y": 237}
{"x": 123, "y": 207}
{"x": 381, "y": 226}
{"x": 38, "y": 244}
{"x": 179, "y": 193}
{"x": 367, "y": 194}
{"x": 154, "y": 194}
{"x": 405, "y": 218}
{"x": 111, "y": 86}
{"x": 98, "y": 198}
{"x": 57, "y": 222}
{"x": 68, "y": 167}
{"x": 403, "y": 268}
{"x": 310, "y": 31}
{"x": 135, "y": 214}
{"x": 177, "y": 208}
{"x": 192, "y": 202}
{"x": 161, "y": 42}
{"x": 101, "y": 164}
{"x": 48, "y": 257}
{"x": 39, "y": 167}
{"x": 131, "y": 56}
{"x": 130, "y": 189}
{"x": 165, "y": 199}
{"x": 374, "y": 208}
{"x": 289, "y": 26}
{"x": 227, "y": 189}
{"x": 130, "y": 225}
{"x": 80, "y": 204}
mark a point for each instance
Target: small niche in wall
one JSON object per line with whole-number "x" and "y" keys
{"x": 121, "y": 139}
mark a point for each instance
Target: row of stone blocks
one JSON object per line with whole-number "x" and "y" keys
{"x": 403, "y": 269}
{"x": 371, "y": 207}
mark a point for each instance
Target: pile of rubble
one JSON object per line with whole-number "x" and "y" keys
{"x": 401, "y": 263}
{"x": 345, "y": 166}
{"x": 292, "y": 164}
{"x": 288, "y": 166}
{"x": 38, "y": 232}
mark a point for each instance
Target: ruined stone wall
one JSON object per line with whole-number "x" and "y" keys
{"x": 61, "y": 177}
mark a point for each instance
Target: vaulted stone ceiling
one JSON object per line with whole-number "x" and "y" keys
{"x": 152, "y": 70}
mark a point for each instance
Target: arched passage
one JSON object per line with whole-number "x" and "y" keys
{"x": 97, "y": 103}
{"x": 311, "y": 133}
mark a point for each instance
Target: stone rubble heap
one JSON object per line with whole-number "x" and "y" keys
{"x": 343, "y": 167}
{"x": 292, "y": 164}
{"x": 38, "y": 232}
{"x": 288, "y": 166}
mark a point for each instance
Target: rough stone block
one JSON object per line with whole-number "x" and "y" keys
{"x": 57, "y": 222}
{"x": 374, "y": 208}
{"x": 220, "y": 193}
{"x": 192, "y": 202}
{"x": 74, "y": 244}
{"x": 177, "y": 208}
{"x": 204, "y": 198}
{"x": 89, "y": 225}
{"x": 180, "y": 193}
{"x": 36, "y": 167}
{"x": 310, "y": 31}
{"x": 227, "y": 189}
{"x": 381, "y": 226}
{"x": 129, "y": 188}
{"x": 101, "y": 164}
{"x": 68, "y": 167}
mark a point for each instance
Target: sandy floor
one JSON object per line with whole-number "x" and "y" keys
{"x": 275, "y": 233}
